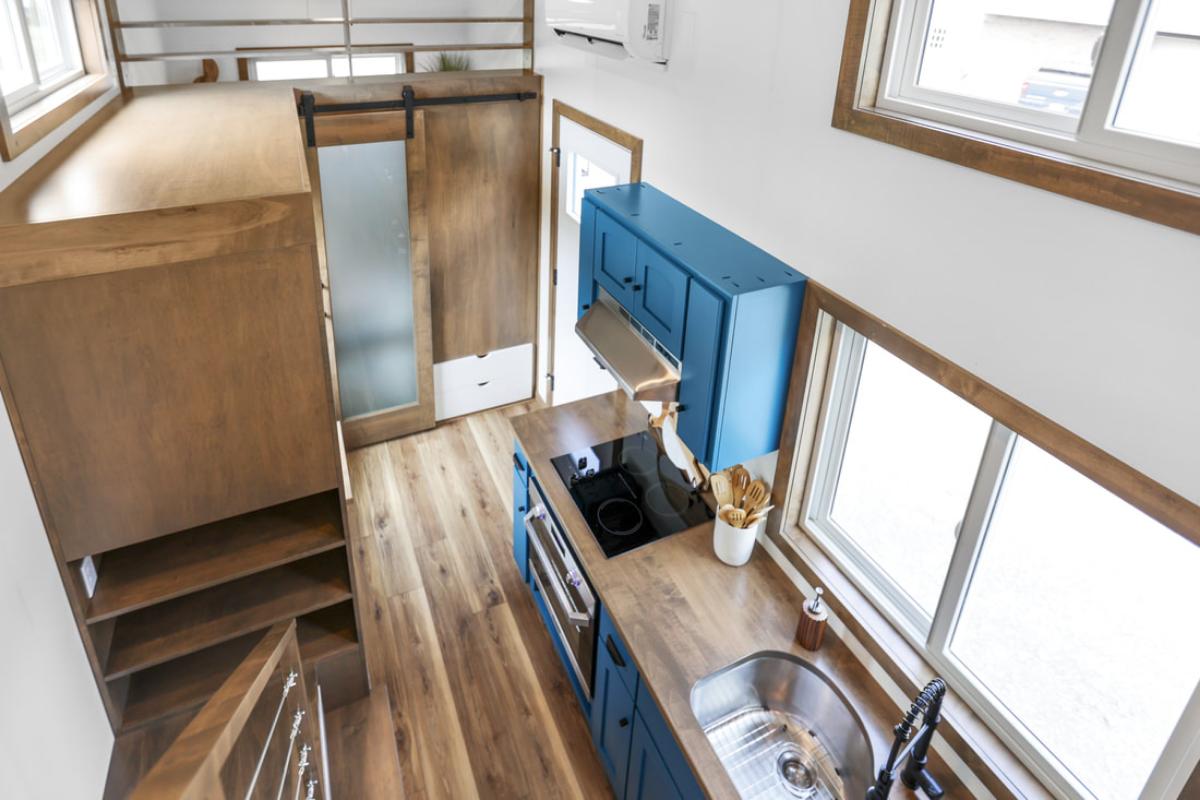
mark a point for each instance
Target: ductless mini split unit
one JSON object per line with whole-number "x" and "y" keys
{"x": 613, "y": 28}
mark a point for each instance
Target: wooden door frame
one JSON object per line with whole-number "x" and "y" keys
{"x": 614, "y": 134}
{"x": 365, "y": 128}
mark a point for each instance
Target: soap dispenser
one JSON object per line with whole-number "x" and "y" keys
{"x": 811, "y": 631}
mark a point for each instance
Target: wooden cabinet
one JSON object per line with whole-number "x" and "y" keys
{"x": 648, "y": 776}
{"x": 612, "y": 719}
{"x": 164, "y": 362}
{"x": 727, "y": 311}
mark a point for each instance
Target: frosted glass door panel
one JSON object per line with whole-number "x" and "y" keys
{"x": 364, "y": 194}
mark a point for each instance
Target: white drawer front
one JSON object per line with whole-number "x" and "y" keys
{"x": 467, "y": 385}
{"x": 493, "y": 366}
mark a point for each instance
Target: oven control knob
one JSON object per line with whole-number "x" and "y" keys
{"x": 573, "y": 578}
{"x": 583, "y": 463}
{"x": 591, "y": 472}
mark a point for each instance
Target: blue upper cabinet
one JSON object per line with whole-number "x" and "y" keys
{"x": 724, "y": 309}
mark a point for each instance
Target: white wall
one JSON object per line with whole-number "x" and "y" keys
{"x": 1085, "y": 314}
{"x": 55, "y": 739}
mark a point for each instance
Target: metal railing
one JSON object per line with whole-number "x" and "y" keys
{"x": 346, "y": 46}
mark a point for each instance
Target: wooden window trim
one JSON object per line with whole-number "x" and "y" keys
{"x": 997, "y": 767}
{"x": 855, "y": 111}
{"x": 26, "y": 128}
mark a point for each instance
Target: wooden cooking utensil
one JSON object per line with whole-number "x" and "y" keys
{"x": 756, "y": 496}
{"x": 741, "y": 482}
{"x": 736, "y": 517}
{"x": 722, "y": 488}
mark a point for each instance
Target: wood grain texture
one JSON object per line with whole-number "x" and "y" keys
{"x": 684, "y": 614}
{"x": 481, "y": 706}
{"x": 167, "y": 567}
{"x": 145, "y": 416}
{"x": 482, "y": 204}
{"x": 854, "y": 111}
{"x": 363, "y": 762}
{"x": 195, "y": 621}
{"x": 134, "y": 753}
{"x": 196, "y": 764}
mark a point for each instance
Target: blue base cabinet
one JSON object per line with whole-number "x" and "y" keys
{"x": 726, "y": 310}
{"x": 636, "y": 747}
{"x": 520, "y": 508}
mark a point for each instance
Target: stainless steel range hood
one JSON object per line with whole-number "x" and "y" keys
{"x": 640, "y": 370}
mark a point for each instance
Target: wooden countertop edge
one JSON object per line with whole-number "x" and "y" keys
{"x": 673, "y": 577}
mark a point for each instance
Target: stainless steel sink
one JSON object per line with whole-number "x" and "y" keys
{"x": 782, "y": 729}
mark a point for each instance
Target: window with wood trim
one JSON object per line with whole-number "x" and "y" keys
{"x": 1057, "y": 608}
{"x": 1089, "y": 98}
{"x": 53, "y": 62}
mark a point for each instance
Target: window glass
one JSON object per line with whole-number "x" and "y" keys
{"x": 1161, "y": 96}
{"x": 1032, "y": 54}
{"x": 15, "y": 71}
{"x": 581, "y": 176}
{"x": 368, "y": 65}
{"x": 907, "y": 470}
{"x": 291, "y": 69}
{"x": 1073, "y": 590}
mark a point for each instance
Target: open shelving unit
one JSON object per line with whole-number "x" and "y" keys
{"x": 171, "y": 617}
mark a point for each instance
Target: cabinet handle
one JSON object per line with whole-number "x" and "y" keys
{"x": 484, "y": 383}
{"x": 611, "y": 647}
{"x": 585, "y": 306}
{"x": 637, "y": 287}
{"x": 623, "y": 722}
{"x": 628, "y": 280}
{"x": 521, "y": 509}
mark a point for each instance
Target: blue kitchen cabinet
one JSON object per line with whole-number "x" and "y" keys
{"x": 615, "y": 258}
{"x": 725, "y": 310}
{"x": 648, "y": 777}
{"x": 520, "y": 507}
{"x": 612, "y": 718}
{"x": 635, "y": 745}
{"x": 660, "y": 292}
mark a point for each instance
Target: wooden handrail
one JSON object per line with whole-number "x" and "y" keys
{"x": 191, "y": 767}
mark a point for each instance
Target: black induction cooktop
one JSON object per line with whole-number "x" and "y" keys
{"x": 630, "y": 493}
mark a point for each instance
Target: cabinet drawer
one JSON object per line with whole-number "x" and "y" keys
{"x": 493, "y": 366}
{"x": 612, "y": 648}
{"x": 660, "y": 293}
{"x": 454, "y": 401}
{"x": 614, "y": 262}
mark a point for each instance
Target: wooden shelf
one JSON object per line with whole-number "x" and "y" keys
{"x": 327, "y": 633}
{"x": 159, "y": 633}
{"x": 186, "y": 683}
{"x": 163, "y": 569}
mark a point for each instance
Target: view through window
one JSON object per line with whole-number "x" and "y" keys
{"x": 39, "y": 49}
{"x": 1022, "y": 581}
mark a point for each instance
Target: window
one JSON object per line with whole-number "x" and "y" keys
{"x": 581, "y": 176}
{"x": 1062, "y": 614}
{"x": 1095, "y": 99}
{"x": 330, "y": 66}
{"x": 39, "y": 50}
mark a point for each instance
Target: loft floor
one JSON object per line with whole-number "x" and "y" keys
{"x": 480, "y": 704}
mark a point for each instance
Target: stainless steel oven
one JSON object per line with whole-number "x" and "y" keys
{"x": 564, "y": 585}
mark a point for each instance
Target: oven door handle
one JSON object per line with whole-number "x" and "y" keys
{"x": 580, "y": 619}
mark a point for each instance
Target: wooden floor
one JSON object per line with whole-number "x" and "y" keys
{"x": 480, "y": 704}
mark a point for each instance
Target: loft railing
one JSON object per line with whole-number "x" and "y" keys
{"x": 344, "y": 45}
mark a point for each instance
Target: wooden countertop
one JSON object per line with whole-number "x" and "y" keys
{"x": 167, "y": 148}
{"x": 682, "y": 612}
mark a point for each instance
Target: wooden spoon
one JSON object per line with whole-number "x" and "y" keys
{"x": 722, "y": 488}
{"x": 736, "y": 517}
{"x": 756, "y": 496}
{"x": 741, "y": 482}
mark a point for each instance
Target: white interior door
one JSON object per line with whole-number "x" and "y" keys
{"x": 588, "y": 161}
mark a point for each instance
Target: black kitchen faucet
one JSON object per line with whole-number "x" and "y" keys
{"x": 915, "y": 774}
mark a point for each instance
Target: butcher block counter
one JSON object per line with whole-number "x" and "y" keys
{"x": 684, "y": 614}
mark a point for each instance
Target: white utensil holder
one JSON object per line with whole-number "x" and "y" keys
{"x": 733, "y": 545}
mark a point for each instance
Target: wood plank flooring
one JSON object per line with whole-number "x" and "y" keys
{"x": 480, "y": 704}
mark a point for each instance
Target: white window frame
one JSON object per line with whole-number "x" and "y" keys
{"x": 39, "y": 87}
{"x": 931, "y": 637}
{"x": 1093, "y": 140}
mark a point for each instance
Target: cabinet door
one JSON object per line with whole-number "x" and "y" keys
{"x": 612, "y": 721}
{"x": 660, "y": 297}
{"x": 700, "y": 373}
{"x": 648, "y": 778}
{"x": 520, "y": 506}
{"x": 614, "y": 264}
